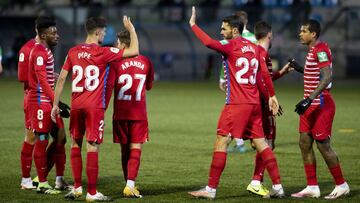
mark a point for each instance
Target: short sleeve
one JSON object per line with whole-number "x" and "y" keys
{"x": 323, "y": 57}
{"x": 67, "y": 64}
{"x": 111, "y": 54}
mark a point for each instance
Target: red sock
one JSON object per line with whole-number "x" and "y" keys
{"x": 40, "y": 159}
{"x": 76, "y": 165}
{"x": 92, "y": 171}
{"x": 125, "y": 156}
{"x": 337, "y": 174}
{"x": 259, "y": 168}
{"x": 216, "y": 168}
{"x": 270, "y": 163}
{"x": 133, "y": 164}
{"x": 51, "y": 155}
{"x": 310, "y": 172}
{"x": 26, "y": 159}
{"x": 60, "y": 159}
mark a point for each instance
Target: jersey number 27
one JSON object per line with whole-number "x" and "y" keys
{"x": 128, "y": 80}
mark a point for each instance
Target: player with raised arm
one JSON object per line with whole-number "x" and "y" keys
{"x": 263, "y": 33}
{"x": 242, "y": 111}
{"x": 131, "y": 78}
{"x": 88, "y": 64}
{"x": 41, "y": 79}
{"x": 56, "y": 150}
{"x": 317, "y": 111}
{"x": 243, "y": 17}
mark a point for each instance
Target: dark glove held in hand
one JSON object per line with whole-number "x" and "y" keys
{"x": 301, "y": 107}
{"x": 64, "y": 110}
{"x": 293, "y": 64}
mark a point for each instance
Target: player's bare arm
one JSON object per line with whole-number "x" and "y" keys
{"x": 325, "y": 80}
{"x": 58, "y": 91}
{"x": 133, "y": 49}
{"x": 286, "y": 69}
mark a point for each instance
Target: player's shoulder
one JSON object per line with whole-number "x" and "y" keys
{"x": 322, "y": 46}
{"x": 28, "y": 45}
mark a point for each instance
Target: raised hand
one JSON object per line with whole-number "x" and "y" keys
{"x": 127, "y": 24}
{"x": 193, "y": 16}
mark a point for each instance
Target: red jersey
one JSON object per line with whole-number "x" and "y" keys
{"x": 23, "y": 63}
{"x": 41, "y": 75}
{"x": 264, "y": 89}
{"x": 241, "y": 67}
{"x": 130, "y": 77}
{"x": 319, "y": 56}
{"x": 88, "y": 63}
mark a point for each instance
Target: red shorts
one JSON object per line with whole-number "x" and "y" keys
{"x": 89, "y": 120}
{"x": 40, "y": 117}
{"x": 128, "y": 131}
{"x": 27, "y": 113}
{"x": 235, "y": 120}
{"x": 268, "y": 121}
{"x": 317, "y": 120}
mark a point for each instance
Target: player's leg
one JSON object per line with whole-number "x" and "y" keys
{"x": 121, "y": 136}
{"x": 332, "y": 161}
{"x": 27, "y": 150}
{"x": 125, "y": 155}
{"x": 94, "y": 121}
{"x": 138, "y": 131}
{"x": 271, "y": 166}
{"x": 41, "y": 124}
{"x": 216, "y": 168}
{"x": 306, "y": 146}
{"x": 77, "y": 131}
{"x": 132, "y": 170}
{"x": 256, "y": 185}
{"x": 60, "y": 156}
{"x": 26, "y": 159}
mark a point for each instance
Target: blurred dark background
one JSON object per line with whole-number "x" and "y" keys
{"x": 165, "y": 37}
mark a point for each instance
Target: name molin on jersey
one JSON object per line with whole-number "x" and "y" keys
{"x": 248, "y": 49}
{"x": 131, "y": 63}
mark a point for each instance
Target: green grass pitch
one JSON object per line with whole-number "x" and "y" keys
{"x": 182, "y": 120}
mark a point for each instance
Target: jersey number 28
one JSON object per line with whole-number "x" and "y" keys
{"x": 91, "y": 78}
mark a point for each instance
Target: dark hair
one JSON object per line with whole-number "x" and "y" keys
{"x": 234, "y": 22}
{"x": 44, "y": 22}
{"x": 93, "y": 23}
{"x": 261, "y": 29}
{"x": 243, "y": 16}
{"x": 124, "y": 37}
{"x": 313, "y": 26}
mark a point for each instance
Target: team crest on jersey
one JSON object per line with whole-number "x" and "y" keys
{"x": 21, "y": 57}
{"x": 114, "y": 50}
{"x": 322, "y": 56}
{"x": 39, "y": 61}
{"x": 224, "y": 42}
